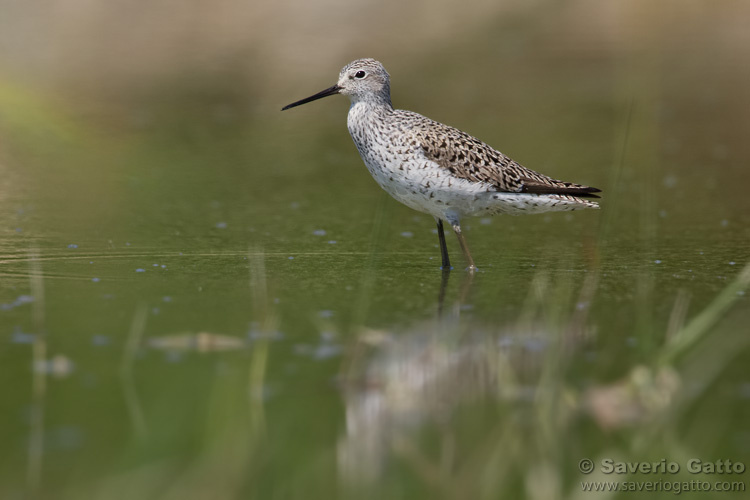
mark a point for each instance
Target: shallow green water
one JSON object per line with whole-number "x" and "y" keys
{"x": 202, "y": 305}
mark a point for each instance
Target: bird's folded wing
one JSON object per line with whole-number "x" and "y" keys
{"x": 468, "y": 158}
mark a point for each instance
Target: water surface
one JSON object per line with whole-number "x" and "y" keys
{"x": 201, "y": 297}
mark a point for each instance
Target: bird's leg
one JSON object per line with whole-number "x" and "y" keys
{"x": 464, "y": 247}
{"x": 446, "y": 266}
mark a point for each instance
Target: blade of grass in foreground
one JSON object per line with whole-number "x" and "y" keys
{"x": 687, "y": 336}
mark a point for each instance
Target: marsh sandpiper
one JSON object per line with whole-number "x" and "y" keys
{"x": 437, "y": 169}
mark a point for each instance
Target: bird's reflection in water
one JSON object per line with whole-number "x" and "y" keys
{"x": 445, "y": 275}
{"x": 396, "y": 383}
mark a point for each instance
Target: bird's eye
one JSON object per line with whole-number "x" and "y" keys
{"x": 360, "y": 74}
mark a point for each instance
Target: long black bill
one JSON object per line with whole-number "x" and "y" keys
{"x": 324, "y": 93}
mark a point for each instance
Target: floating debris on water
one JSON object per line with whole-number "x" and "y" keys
{"x": 319, "y": 232}
{"x": 198, "y": 342}
{"x": 58, "y": 366}
{"x": 20, "y": 300}
{"x": 19, "y": 337}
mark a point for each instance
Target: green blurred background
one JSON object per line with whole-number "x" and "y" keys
{"x": 203, "y": 297}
